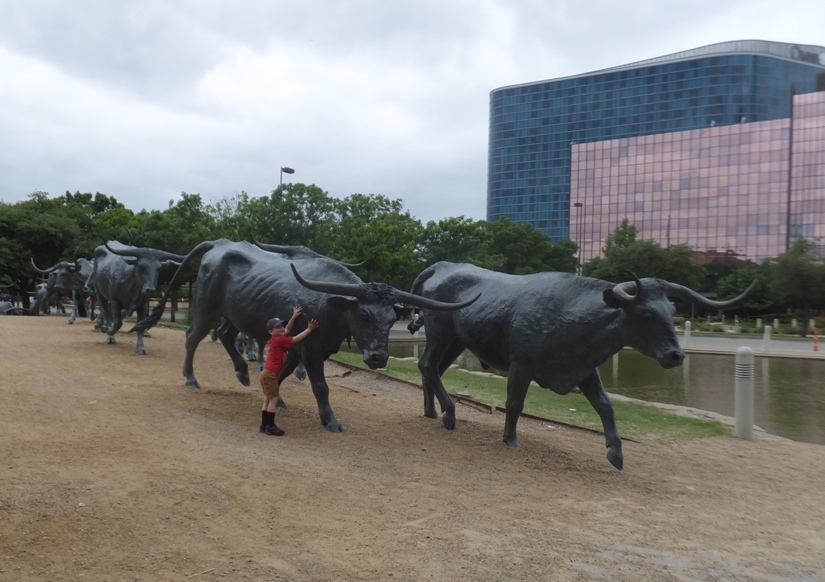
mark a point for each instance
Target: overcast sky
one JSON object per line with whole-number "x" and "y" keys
{"x": 145, "y": 99}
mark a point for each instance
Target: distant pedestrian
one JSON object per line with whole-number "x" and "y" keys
{"x": 279, "y": 343}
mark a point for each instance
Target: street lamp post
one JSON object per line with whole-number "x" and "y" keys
{"x": 285, "y": 170}
{"x": 579, "y": 218}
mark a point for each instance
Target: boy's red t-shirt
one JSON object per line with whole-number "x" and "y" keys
{"x": 278, "y": 346}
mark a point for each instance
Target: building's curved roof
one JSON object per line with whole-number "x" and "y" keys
{"x": 806, "y": 53}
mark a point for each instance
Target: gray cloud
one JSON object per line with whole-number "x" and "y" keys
{"x": 145, "y": 99}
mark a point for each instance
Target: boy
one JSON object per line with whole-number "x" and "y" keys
{"x": 279, "y": 344}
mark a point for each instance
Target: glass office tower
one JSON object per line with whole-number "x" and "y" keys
{"x": 534, "y": 126}
{"x": 735, "y": 193}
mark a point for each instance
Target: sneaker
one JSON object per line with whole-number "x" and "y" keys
{"x": 273, "y": 430}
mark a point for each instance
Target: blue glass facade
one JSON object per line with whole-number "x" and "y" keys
{"x": 534, "y": 126}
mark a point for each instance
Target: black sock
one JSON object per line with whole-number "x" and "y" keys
{"x": 270, "y": 418}
{"x": 264, "y": 417}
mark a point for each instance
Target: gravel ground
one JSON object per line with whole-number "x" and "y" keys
{"x": 113, "y": 470}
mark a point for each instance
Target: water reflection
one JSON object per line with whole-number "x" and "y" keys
{"x": 789, "y": 394}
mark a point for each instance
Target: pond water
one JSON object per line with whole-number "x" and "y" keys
{"x": 789, "y": 394}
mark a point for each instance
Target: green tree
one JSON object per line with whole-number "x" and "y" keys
{"x": 798, "y": 277}
{"x": 375, "y": 229}
{"x": 41, "y": 229}
{"x": 621, "y": 238}
{"x": 562, "y": 256}
{"x": 519, "y": 248}
{"x": 101, "y": 218}
{"x": 113, "y": 224}
{"x": 623, "y": 253}
{"x": 234, "y": 218}
{"x": 455, "y": 239}
{"x": 177, "y": 229}
{"x": 760, "y": 300}
{"x": 294, "y": 214}
{"x": 715, "y": 272}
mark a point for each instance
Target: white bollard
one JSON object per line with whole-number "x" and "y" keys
{"x": 743, "y": 394}
{"x": 687, "y": 335}
{"x": 766, "y": 339}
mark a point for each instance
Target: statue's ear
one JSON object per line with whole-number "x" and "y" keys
{"x": 341, "y": 303}
{"x": 402, "y": 311}
{"x": 611, "y": 299}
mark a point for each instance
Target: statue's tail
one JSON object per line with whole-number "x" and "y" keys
{"x": 423, "y": 276}
{"x": 418, "y": 318}
{"x": 154, "y": 317}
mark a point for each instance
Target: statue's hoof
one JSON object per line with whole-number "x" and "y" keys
{"x": 616, "y": 459}
{"x": 193, "y": 383}
{"x": 243, "y": 378}
{"x": 111, "y": 340}
{"x": 334, "y": 427}
{"x": 448, "y": 421}
{"x": 512, "y": 443}
{"x": 280, "y": 403}
{"x": 140, "y": 351}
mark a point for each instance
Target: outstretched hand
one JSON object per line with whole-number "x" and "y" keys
{"x": 296, "y": 311}
{"x": 313, "y": 323}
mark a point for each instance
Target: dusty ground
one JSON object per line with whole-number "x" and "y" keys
{"x": 111, "y": 469}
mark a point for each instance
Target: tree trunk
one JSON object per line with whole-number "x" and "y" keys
{"x": 806, "y": 321}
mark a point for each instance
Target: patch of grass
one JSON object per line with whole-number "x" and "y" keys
{"x": 637, "y": 422}
{"x": 170, "y": 325}
{"x": 128, "y": 322}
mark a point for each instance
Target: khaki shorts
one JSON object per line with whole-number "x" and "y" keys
{"x": 269, "y": 383}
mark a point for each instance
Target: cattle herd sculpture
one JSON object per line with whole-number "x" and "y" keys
{"x": 66, "y": 278}
{"x": 246, "y": 283}
{"x": 554, "y": 329}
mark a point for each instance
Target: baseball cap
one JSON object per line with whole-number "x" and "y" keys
{"x": 274, "y": 322}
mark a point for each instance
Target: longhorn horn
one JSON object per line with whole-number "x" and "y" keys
{"x": 622, "y": 295}
{"x": 140, "y": 252}
{"x": 682, "y": 292}
{"x": 42, "y": 271}
{"x": 282, "y": 249}
{"x": 357, "y": 291}
{"x": 167, "y": 256}
{"x": 426, "y": 303}
{"x": 349, "y": 289}
{"x": 132, "y": 252}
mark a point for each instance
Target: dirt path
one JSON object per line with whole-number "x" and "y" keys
{"x": 111, "y": 469}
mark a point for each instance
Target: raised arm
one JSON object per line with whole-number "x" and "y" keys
{"x": 296, "y": 311}
{"x": 313, "y": 323}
